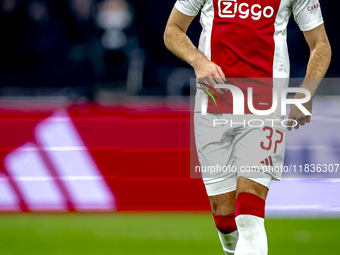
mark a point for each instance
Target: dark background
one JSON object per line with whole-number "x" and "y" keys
{"x": 59, "y": 46}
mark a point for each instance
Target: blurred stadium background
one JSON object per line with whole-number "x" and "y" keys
{"x": 95, "y": 137}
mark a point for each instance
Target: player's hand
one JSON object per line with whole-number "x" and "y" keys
{"x": 296, "y": 114}
{"x": 207, "y": 72}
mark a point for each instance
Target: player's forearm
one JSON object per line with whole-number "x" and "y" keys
{"x": 318, "y": 64}
{"x": 180, "y": 45}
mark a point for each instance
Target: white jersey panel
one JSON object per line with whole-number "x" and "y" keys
{"x": 281, "y": 65}
{"x": 206, "y": 20}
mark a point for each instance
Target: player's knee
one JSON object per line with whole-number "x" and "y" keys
{"x": 225, "y": 223}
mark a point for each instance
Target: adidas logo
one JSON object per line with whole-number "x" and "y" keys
{"x": 268, "y": 161}
{"x": 55, "y": 172}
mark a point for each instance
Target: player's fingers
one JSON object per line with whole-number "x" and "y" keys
{"x": 290, "y": 124}
{"x": 308, "y": 118}
{"x": 219, "y": 81}
{"x": 203, "y": 84}
{"x": 220, "y": 73}
{"x": 212, "y": 83}
{"x": 293, "y": 123}
{"x": 220, "y": 91}
{"x": 208, "y": 84}
{"x": 303, "y": 121}
{"x": 291, "y": 119}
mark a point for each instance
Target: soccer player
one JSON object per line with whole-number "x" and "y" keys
{"x": 245, "y": 39}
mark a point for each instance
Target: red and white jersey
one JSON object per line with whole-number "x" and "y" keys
{"x": 248, "y": 39}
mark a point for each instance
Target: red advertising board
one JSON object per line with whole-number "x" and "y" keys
{"x": 133, "y": 156}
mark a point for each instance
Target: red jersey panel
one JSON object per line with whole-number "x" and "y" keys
{"x": 242, "y": 44}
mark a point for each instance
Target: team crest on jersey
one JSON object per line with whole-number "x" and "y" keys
{"x": 233, "y": 8}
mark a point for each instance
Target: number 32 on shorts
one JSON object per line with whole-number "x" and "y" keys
{"x": 269, "y": 141}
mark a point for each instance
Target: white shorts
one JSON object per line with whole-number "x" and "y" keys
{"x": 230, "y": 146}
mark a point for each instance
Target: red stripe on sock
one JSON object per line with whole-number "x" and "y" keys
{"x": 250, "y": 204}
{"x": 225, "y": 223}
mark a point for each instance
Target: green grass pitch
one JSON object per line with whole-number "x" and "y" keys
{"x": 151, "y": 234}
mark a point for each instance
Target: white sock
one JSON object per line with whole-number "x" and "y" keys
{"x": 228, "y": 242}
{"x": 252, "y": 236}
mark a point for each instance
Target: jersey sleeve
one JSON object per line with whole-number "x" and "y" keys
{"x": 307, "y": 14}
{"x": 189, "y": 7}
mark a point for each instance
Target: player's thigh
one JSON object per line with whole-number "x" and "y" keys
{"x": 259, "y": 152}
{"x": 214, "y": 148}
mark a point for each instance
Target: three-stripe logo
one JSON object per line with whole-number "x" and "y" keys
{"x": 55, "y": 172}
{"x": 268, "y": 161}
